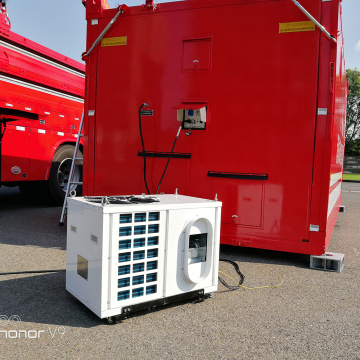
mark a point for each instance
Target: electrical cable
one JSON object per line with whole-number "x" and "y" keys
{"x": 252, "y": 288}
{"x": 143, "y": 146}
{"x": 105, "y": 200}
{"x": 237, "y": 269}
{"x": 236, "y": 266}
{"x": 242, "y": 277}
{"x": 167, "y": 164}
{"x": 32, "y": 272}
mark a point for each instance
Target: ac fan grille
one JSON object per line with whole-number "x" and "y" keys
{"x": 138, "y": 254}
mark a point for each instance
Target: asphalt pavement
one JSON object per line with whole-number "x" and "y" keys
{"x": 311, "y": 315}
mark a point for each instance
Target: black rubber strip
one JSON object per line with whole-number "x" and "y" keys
{"x": 231, "y": 175}
{"x": 19, "y": 113}
{"x": 156, "y": 154}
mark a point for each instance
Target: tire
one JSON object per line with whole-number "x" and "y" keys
{"x": 59, "y": 175}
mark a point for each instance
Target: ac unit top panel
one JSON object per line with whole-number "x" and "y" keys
{"x": 164, "y": 202}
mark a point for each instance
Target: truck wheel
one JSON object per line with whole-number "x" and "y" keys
{"x": 59, "y": 177}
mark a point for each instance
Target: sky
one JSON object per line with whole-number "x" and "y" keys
{"x": 60, "y": 25}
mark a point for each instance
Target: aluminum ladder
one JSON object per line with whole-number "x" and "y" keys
{"x": 121, "y": 9}
{"x": 71, "y": 175}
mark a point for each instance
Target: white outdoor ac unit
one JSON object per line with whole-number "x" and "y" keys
{"x": 129, "y": 253}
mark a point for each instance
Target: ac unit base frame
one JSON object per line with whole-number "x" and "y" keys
{"x": 198, "y": 295}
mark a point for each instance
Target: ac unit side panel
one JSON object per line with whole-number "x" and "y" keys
{"x": 86, "y": 302}
{"x": 87, "y": 255}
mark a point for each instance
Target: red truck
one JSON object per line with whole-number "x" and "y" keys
{"x": 259, "y": 90}
{"x": 41, "y": 103}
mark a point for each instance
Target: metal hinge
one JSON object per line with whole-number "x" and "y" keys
{"x": 150, "y": 4}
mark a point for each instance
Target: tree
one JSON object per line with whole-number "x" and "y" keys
{"x": 352, "y": 111}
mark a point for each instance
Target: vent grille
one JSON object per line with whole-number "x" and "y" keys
{"x": 138, "y": 255}
{"x": 122, "y": 270}
{"x": 140, "y": 217}
{"x": 124, "y": 244}
{"x": 151, "y": 289}
{"x": 124, "y": 295}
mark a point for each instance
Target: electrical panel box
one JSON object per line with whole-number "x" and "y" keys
{"x": 140, "y": 252}
{"x": 192, "y": 119}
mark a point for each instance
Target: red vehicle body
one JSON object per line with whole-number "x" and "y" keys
{"x": 41, "y": 103}
{"x": 274, "y": 89}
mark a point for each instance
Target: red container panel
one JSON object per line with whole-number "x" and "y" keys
{"x": 262, "y": 88}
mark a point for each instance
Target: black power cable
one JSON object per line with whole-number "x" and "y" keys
{"x": 32, "y": 272}
{"x": 237, "y": 269}
{"x": 236, "y": 266}
{"x": 143, "y": 146}
{"x": 167, "y": 164}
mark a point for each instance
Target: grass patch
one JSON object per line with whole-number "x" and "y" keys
{"x": 351, "y": 177}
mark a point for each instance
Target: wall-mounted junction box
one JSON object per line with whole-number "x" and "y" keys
{"x": 192, "y": 116}
{"x": 122, "y": 256}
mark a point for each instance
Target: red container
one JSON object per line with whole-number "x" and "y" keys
{"x": 274, "y": 88}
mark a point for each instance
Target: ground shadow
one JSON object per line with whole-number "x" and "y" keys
{"x": 12, "y": 199}
{"x": 260, "y": 256}
{"x": 43, "y": 299}
{"x": 27, "y": 224}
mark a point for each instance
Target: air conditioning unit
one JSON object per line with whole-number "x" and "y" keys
{"x": 127, "y": 253}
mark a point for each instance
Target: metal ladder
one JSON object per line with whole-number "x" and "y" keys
{"x": 74, "y": 159}
{"x": 121, "y": 9}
